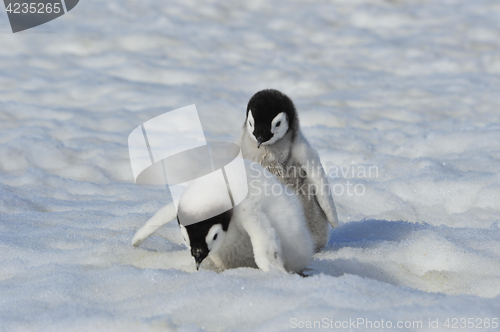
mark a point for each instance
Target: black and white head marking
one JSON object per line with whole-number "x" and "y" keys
{"x": 205, "y": 238}
{"x": 270, "y": 115}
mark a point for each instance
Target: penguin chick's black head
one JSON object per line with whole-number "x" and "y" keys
{"x": 206, "y": 237}
{"x": 270, "y": 115}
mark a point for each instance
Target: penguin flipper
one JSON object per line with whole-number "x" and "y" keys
{"x": 162, "y": 217}
{"x": 265, "y": 242}
{"x": 324, "y": 195}
{"x": 307, "y": 155}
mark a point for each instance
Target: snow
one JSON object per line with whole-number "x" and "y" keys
{"x": 409, "y": 87}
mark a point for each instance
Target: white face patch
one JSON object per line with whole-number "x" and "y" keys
{"x": 250, "y": 125}
{"x": 279, "y": 127}
{"x": 185, "y": 235}
{"x": 214, "y": 238}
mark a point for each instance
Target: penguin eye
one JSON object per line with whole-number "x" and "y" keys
{"x": 278, "y": 124}
{"x": 215, "y": 237}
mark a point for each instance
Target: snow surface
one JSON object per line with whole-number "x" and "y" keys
{"x": 410, "y": 87}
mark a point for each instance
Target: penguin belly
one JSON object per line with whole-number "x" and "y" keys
{"x": 294, "y": 177}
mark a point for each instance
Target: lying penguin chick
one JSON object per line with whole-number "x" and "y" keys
{"x": 266, "y": 230}
{"x": 271, "y": 137}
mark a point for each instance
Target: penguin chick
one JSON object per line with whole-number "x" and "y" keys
{"x": 267, "y": 230}
{"x": 271, "y": 137}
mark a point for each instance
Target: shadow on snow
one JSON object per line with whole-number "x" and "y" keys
{"x": 363, "y": 234}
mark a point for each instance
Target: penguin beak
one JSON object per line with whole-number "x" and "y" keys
{"x": 199, "y": 255}
{"x": 262, "y": 137}
{"x": 260, "y": 140}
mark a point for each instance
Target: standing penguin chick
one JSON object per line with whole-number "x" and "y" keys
{"x": 271, "y": 137}
{"x": 267, "y": 229}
